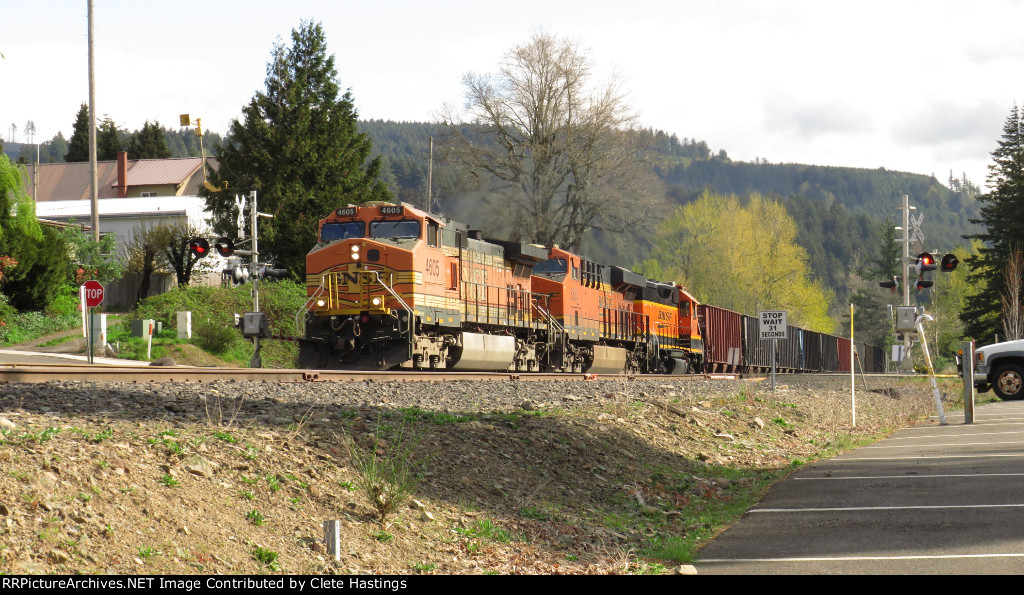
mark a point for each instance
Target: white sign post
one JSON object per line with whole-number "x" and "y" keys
{"x": 773, "y": 328}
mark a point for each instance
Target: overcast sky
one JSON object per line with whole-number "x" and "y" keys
{"x": 921, "y": 86}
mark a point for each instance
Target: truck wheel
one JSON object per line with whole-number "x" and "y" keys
{"x": 1009, "y": 383}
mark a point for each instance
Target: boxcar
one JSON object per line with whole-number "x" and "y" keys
{"x": 723, "y": 338}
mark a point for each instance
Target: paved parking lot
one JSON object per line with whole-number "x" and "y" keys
{"x": 928, "y": 500}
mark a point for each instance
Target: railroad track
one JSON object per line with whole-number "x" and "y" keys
{"x": 35, "y": 373}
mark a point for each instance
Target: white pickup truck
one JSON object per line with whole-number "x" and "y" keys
{"x": 1000, "y": 366}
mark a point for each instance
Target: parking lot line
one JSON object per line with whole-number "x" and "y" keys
{"x": 867, "y": 558}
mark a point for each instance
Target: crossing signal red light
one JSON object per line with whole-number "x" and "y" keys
{"x": 925, "y": 263}
{"x": 199, "y": 247}
{"x": 922, "y": 284}
{"x": 224, "y": 246}
{"x": 892, "y": 284}
{"x": 949, "y": 263}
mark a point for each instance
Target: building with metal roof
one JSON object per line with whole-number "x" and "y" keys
{"x": 123, "y": 178}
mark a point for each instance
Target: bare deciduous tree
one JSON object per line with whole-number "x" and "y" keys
{"x": 162, "y": 249}
{"x": 567, "y": 155}
{"x": 1013, "y": 317}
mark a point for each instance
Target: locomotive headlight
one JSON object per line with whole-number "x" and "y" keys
{"x": 320, "y": 303}
{"x": 376, "y": 301}
{"x": 355, "y": 252}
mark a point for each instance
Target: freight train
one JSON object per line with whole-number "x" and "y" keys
{"x": 393, "y": 287}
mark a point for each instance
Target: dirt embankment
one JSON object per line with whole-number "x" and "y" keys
{"x": 554, "y": 477}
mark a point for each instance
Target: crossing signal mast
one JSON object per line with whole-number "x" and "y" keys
{"x": 255, "y": 323}
{"x": 908, "y": 319}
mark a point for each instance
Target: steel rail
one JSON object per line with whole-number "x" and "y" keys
{"x": 35, "y": 373}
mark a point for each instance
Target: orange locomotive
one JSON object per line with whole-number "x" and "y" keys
{"x": 391, "y": 286}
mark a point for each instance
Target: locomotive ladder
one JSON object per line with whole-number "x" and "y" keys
{"x": 556, "y": 332}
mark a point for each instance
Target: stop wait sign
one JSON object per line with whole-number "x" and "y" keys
{"x": 93, "y": 294}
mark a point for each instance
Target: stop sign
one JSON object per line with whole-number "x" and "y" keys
{"x": 93, "y": 293}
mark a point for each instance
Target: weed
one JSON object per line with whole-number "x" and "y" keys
{"x": 532, "y": 512}
{"x": 423, "y": 567}
{"x": 386, "y": 478}
{"x": 256, "y": 517}
{"x": 225, "y": 437}
{"x": 251, "y": 452}
{"x": 383, "y": 537}
{"x": 273, "y": 482}
{"x": 348, "y": 485}
{"x": 486, "y": 529}
{"x": 247, "y": 494}
{"x": 169, "y": 481}
{"x": 147, "y": 552}
{"x": 266, "y": 557}
{"x": 44, "y": 435}
{"x": 101, "y": 436}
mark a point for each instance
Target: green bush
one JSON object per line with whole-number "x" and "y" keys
{"x": 215, "y": 338}
{"x": 19, "y": 327}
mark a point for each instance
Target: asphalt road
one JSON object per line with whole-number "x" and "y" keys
{"x": 10, "y": 356}
{"x": 931, "y": 499}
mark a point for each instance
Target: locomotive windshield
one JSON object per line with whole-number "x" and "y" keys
{"x": 342, "y": 231}
{"x": 406, "y": 228}
{"x": 551, "y": 267}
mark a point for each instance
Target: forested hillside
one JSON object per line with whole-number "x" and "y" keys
{"x": 838, "y": 210}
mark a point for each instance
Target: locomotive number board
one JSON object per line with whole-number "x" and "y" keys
{"x": 773, "y": 325}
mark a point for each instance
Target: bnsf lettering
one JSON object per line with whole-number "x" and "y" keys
{"x": 356, "y": 278}
{"x": 664, "y": 316}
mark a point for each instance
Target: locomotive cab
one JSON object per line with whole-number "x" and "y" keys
{"x": 367, "y": 282}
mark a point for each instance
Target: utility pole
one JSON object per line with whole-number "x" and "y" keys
{"x": 430, "y": 173}
{"x": 92, "y": 136}
{"x": 906, "y": 248}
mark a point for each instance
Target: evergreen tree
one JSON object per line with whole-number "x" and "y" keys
{"x": 871, "y": 319}
{"x": 78, "y": 146}
{"x": 55, "y": 149}
{"x": 1002, "y": 216}
{"x": 149, "y": 143}
{"x": 299, "y": 147}
{"x": 108, "y": 141}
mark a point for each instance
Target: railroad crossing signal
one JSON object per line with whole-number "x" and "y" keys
{"x": 893, "y": 283}
{"x": 949, "y": 262}
{"x": 199, "y": 247}
{"x": 224, "y": 246}
{"x": 925, "y": 263}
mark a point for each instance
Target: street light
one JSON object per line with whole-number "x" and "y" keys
{"x": 185, "y": 121}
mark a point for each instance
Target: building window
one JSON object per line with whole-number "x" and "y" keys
{"x": 147, "y": 194}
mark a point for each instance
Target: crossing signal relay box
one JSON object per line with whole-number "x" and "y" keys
{"x": 906, "y": 317}
{"x": 254, "y": 324}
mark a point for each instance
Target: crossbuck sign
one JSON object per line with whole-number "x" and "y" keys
{"x": 773, "y": 325}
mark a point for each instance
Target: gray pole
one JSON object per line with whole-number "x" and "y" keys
{"x": 92, "y": 135}
{"x": 967, "y": 365}
{"x": 906, "y": 248}
{"x": 257, "y": 361}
